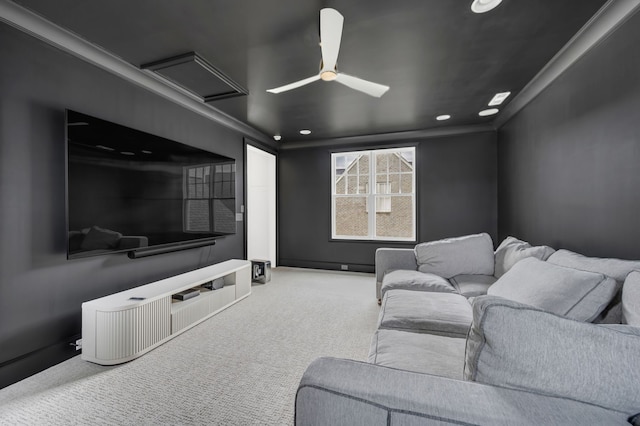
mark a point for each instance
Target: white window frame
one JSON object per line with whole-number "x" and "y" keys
{"x": 383, "y": 204}
{"x": 373, "y": 198}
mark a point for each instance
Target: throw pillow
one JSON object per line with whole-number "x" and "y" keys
{"x": 512, "y": 250}
{"x": 414, "y": 280}
{"x": 631, "y": 299}
{"x": 471, "y": 254}
{"x": 519, "y": 347}
{"x": 100, "y": 239}
{"x": 576, "y": 294}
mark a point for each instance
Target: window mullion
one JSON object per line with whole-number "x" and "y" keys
{"x": 372, "y": 194}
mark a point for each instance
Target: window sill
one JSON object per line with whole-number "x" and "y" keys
{"x": 355, "y": 240}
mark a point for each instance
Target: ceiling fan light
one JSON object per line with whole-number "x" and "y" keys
{"x": 482, "y": 6}
{"x": 328, "y": 75}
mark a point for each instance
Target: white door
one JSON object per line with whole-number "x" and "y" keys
{"x": 261, "y": 205}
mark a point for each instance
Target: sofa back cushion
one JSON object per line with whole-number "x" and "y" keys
{"x": 573, "y": 293}
{"x": 617, "y": 269}
{"x": 631, "y": 299}
{"x": 512, "y": 250}
{"x": 471, "y": 254}
{"x": 520, "y": 347}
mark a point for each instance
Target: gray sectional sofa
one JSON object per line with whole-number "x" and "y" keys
{"x": 472, "y": 335}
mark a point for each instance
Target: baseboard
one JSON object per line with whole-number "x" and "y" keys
{"x": 26, "y": 365}
{"x": 331, "y": 266}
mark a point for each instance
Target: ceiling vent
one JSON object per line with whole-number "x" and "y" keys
{"x": 198, "y": 76}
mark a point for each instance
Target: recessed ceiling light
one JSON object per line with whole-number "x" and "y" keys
{"x": 482, "y": 6}
{"x": 490, "y": 111}
{"x": 305, "y": 132}
{"x": 499, "y": 98}
{"x": 106, "y": 148}
{"x": 144, "y": 151}
{"x": 443, "y": 117}
{"x": 277, "y": 137}
{"x": 127, "y": 153}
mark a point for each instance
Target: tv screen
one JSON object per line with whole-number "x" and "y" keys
{"x": 128, "y": 190}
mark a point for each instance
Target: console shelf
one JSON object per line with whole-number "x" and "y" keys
{"x": 123, "y": 326}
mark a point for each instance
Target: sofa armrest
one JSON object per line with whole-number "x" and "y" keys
{"x": 390, "y": 259}
{"x": 345, "y": 392}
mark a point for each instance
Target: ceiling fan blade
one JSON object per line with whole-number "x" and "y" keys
{"x": 330, "y": 35}
{"x": 368, "y": 87}
{"x": 294, "y": 85}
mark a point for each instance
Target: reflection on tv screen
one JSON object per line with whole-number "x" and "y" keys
{"x": 128, "y": 189}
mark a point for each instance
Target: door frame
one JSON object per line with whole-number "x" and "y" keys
{"x": 274, "y": 152}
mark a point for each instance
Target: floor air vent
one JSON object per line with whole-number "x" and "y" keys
{"x": 198, "y": 76}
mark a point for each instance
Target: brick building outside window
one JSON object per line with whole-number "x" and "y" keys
{"x": 383, "y": 179}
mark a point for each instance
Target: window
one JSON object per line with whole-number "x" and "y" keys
{"x": 391, "y": 173}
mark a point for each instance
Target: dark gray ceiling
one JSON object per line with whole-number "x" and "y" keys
{"x": 436, "y": 55}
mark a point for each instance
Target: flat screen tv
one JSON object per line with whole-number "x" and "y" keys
{"x": 130, "y": 191}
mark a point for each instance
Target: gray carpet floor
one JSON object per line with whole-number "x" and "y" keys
{"x": 240, "y": 367}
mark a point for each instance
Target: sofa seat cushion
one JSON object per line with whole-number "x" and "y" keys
{"x": 631, "y": 299}
{"x": 414, "y": 280}
{"x": 446, "y": 314}
{"x": 512, "y": 250}
{"x": 573, "y": 293}
{"x": 472, "y": 285}
{"x": 520, "y": 347}
{"x": 423, "y": 353}
{"x": 471, "y": 254}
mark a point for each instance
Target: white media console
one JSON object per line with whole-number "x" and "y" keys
{"x": 122, "y": 326}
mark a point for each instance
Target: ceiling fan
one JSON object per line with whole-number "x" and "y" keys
{"x": 330, "y": 35}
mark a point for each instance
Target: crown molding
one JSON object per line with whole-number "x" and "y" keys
{"x": 611, "y": 16}
{"x": 382, "y": 138}
{"x": 58, "y": 37}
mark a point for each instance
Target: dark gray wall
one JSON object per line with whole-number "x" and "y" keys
{"x": 457, "y": 192}
{"x": 569, "y": 162}
{"x": 41, "y": 292}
